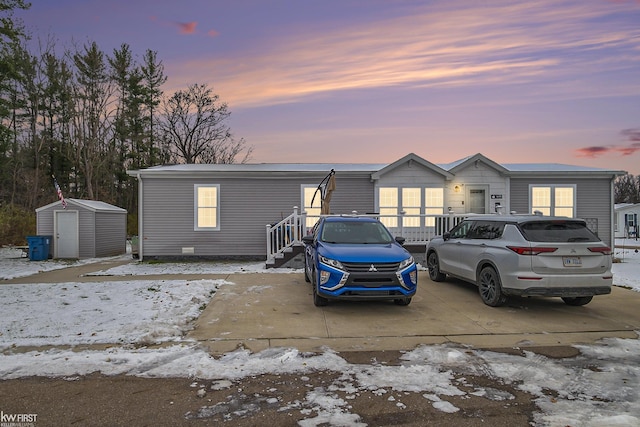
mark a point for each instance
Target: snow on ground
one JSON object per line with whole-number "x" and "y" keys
{"x": 14, "y": 264}
{"x": 599, "y": 387}
{"x": 220, "y": 267}
{"x": 140, "y": 312}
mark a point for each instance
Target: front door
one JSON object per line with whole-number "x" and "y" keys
{"x": 477, "y": 199}
{"x": 67, "y": 243}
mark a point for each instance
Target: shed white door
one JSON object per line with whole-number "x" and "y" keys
{"x": 66, "y": 230}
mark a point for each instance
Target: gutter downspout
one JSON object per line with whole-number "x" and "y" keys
{"x": 612, "y": 231}
{"x": 140, "y": 218}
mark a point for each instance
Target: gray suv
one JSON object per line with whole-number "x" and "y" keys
{"x": 528, "y": 255}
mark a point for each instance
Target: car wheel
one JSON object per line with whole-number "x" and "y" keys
{"x": 490, "y": 288}
{"x": 433, "y": 264}
{"x": 318, "y": 301}
{"x": 402, "y": 301}
{"x": 577, "y": 301}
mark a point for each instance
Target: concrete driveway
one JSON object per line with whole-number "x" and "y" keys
{"x": 274, "y": 310}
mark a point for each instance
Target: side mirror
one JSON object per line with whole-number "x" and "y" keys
{"x": 446, "y": 236}
{"x": 400, "y": 240}
{"x": 308, "y": 239}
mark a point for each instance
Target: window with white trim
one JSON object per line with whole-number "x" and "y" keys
{"x": 433, "y": 204}
{"x": 414, "y": 201}
{"x": 554, "y": 200}
{"x": 207, "y": 207}
{"x": 411, "y": 204}
{"x": 388, "y": 205}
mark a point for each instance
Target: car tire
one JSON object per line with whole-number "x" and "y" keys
{"x": 402, "y": 301}
{"x": 577, "y": 301}
{"x": 433, "y": 265}
{"x": 490, "y": 288}
{"x": 318, "y": 301}
{"x": 306, "y": 275}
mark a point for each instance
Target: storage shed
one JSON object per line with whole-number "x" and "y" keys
{"x": 626, "y": 220}
{"x": 85, "y": 229}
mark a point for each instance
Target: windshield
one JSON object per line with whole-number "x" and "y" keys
{"x": 558, "y": 231}
{"x": 355, "y": 232}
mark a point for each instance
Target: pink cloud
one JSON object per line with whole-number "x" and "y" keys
{"x": 629, "y": 150}
{"x": 184, "y": 28}
{"x": 631, "y": 134}
{"x": 593, "y": 151}
{"x": 187, "y": 27}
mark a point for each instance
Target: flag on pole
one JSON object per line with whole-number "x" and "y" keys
{"x": 59, "y": 191}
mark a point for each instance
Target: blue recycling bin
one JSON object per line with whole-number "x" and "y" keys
{"x": 39, "y": 247}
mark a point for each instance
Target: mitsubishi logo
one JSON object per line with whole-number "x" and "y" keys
{"x": 373, "y": 268}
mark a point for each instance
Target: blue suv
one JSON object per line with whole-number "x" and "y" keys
{"x": 355, "y": 257}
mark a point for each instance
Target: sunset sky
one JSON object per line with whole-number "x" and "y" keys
{"x": 369, "y": 81}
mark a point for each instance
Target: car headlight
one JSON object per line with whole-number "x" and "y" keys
{"x": 331, "y": 262}
{"x": 407, "y": 262}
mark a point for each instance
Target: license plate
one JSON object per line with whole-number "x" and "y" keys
{"x": 572, "y": 261}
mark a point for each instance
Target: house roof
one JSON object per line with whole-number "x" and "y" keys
{"x": 259, "y": 167}
{"x": 626, "y": 206}
{"x": 410, "y": 159}
{"x": 448, "y": 170}
{"x": 92, "y": 205}
{"x": 554, "y": 167}
{"x": 467, "y": 161}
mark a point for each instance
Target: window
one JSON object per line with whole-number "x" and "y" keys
{"x": 631, "y": 219}
{"x": 207, "y": 212}
{"x": 554, "y": 200}
{"x": 460, "y": 231}
{"x": 411, "y": 203}
{"x": 557, "y": 231}
{"x": 414, "y": 201}
{"x": 487, "y": 230}
{"x": 433, "y": 204}
{"x": 388, "y": 203}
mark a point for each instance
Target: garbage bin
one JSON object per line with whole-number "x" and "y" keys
{"x": 39, "y": 247}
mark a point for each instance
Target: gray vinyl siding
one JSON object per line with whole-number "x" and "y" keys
{"x": 86, "y": 231}
{"x": 44, "y": 226}
{"x": 44, "y": 221}
{"x": 246, "y": 207}
{"x": 593, "y": 200}
{"x": 110, "y": 234}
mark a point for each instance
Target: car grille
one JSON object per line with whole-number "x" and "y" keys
{"x": 364, "y": 267}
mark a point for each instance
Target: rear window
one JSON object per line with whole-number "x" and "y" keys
{"x": 557, "y": 231}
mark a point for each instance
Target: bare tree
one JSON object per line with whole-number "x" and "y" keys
{"x": 194, "y": 128}
{"x": 627, "y": 189}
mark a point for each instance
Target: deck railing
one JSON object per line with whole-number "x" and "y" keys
{"x": 416, "y": 229}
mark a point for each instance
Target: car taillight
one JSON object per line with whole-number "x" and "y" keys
{"x": 527, "y": 250}
{"x": 604, "y": 250}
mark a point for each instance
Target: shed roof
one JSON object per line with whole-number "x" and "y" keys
{"x": 92, "y": 205}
